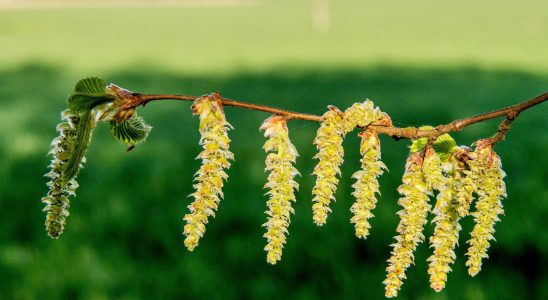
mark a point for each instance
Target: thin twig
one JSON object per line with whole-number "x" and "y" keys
{"x": 510, "y": 112}
{"x": 229, "y": 102}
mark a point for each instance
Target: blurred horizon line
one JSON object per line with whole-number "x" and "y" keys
{"x": 47, "y": 4}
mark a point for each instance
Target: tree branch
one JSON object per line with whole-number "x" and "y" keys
{"x": 510, "y": 112}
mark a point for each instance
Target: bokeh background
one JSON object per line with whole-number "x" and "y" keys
{"x": 423, "y": 62}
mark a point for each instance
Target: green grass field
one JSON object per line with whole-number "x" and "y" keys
{"x": 423, "y": 62}
{"x": 270, "y": 34}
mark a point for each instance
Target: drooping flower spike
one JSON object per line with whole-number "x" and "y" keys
{"x": 432, "y": 170}
{"x": 211, "y": 175}
{"x": 334, "y": 126}
{"x": 491, "y": 190}
{"x": 468, "y": 180}
{"x": 446, "y": 232}
{"x": 281, "y": 184}
{"x": 68, "y": 151}
{"x": 367, "y": 184}
{"x": 330, "y": 154}
{"x": 414, "y": 201}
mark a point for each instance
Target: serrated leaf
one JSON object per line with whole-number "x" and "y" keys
{"x": 88, "y": 93}
{"x": 444, "y": 146}
{"x": 83, "y": 137}
{"x": 418, "y": 144}
{"x": 132, "y": 131}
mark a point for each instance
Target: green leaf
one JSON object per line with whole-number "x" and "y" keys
{"x": 419, "y": 144}
{"x": 88, "y": 93}
{"x": 132, "y": 131}
{"x": 443, "y": 145}
{"x": 83, "y": 138}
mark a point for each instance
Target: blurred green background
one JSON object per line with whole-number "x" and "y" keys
{"x": 423, "y": 62}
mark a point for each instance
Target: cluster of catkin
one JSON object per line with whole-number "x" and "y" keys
{"x": 453, "y": 175}
{"x": 334, "y": 125}
{"x": 461, "y": 176}
{"x": 280, "y": 160}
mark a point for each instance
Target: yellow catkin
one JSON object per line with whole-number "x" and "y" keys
{"x": 468, "y": 182}
{"x": 330, "y": 154}
{"x": 446, "y": 232}
{"x": 333, "y": 127}
{"x": 362, "y": 114}
{"x": 488, "y": 207}
{"x": 366, "y": 185}
{"x": 281, "y": 185}
{"x": 432, "y": 170}
{"x": 215, "y": 159}
{"x": 415, "y": 205}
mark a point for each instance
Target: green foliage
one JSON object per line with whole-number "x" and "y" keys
{"x": 81, "y": 142}
{"x": 132, "y": 131}
{"x": 443, "y": 145}
{"x": 87, "y": 94}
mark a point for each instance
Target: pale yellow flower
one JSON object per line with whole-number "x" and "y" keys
{"x": 215, "y": 159}
{"x": 366, "y": 185}
{"x": 334, "y": 126}
{"x": 446, "y": 233}
{"x": 413, "y": 216}
{"x": 468, "y": 174}
{"x": 491, "y": 190}
{"x": 432, "y": 170}
{"x": 362, "y": 114}
{"x": 281, "y": 184}
{"x": 330, "y": 155}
